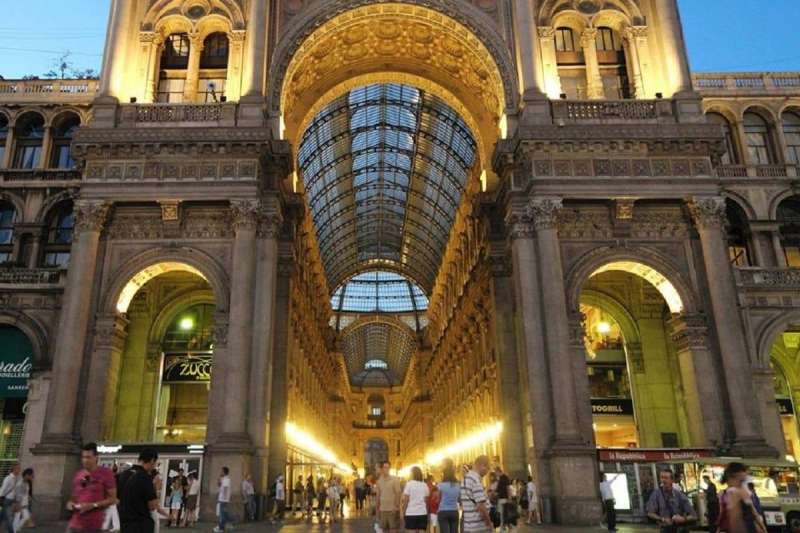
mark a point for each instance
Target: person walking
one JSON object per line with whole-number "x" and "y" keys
{"x": 433, "y": 504}
{"x": 712, "y": 504}
{"x": 297, "y": 497}
{"x": 387, "y": 500}
{"x": 22, "y": 498}
{"x": 93, "y": 489}
{"x": 474, "y": 500}
{"x": 7, "y": 494}
{"x": 506, "y": 506}
{"x": 190, "y": 517}
{"x": 322, "y": 496}
{"x": 310, "y": 495}
{"x": 334, "y": 498}
{"x": 138, "y": 500}
{"x": 532, "y": 492}
{"x": 358, "y": 485}
{"x": 249, "y": 496}
{"x": 175, "y": 502}
{"x": 280, "y": 500}
{"x": 669, "y": 507}
{"x": 223, "y": 500}
{"x": 449, "y": 491}
{"x": 608, "y": 500}
{"x": 738, "y": 513}
{"x": 414, "y": 503}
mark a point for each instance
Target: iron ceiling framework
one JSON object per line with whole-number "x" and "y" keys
{"x": 378, "y": 342}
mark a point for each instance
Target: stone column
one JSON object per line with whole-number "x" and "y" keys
{"x": 47, "y": 143}
{"x": 632, "y": 58}
{"x": 640, "y": 46}
{"x": 233, "y": 85}
{"x": 115, "y": 59}
{"x": 263, "y": 320}
{"x": 193, "y": 69}
{"x": 149, "y": 58}
{"x": 709, "y": 216}
{"x": 764, "y": 384}
{"x": 528, "y": 55}
{"x": 702, "y": 391}
{"x": 55, "y": 456}
{"x": 255, "y": 51}
{"x": 8, "y": 157}
{"x": 38, "y": 238}
{"x": 594, "y": 81}
{"x": 104, "y": 373}
{"x": 580, "y": 375}
{"x": 673, "y": 46}
{"x": 547, "y": 47}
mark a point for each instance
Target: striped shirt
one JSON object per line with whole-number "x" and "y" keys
{"x": 473, "y": 494}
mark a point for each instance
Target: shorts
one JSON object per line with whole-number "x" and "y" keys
{"x": 417, "y": 522}
{"x": 191, "y": 502}
{"x": 389, "y": 520}
{"x": 176, "y": 506}
{"x": 434, "y": 518}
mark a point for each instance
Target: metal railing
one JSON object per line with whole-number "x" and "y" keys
{"x": 747, "y": 82}
{"x": 757, "y": 171}
{"x": 12, "y": 175}
{"x": 769, "y": 277}
{"x": 29, "y": 276}
{"x": 56, "y": 91}
{"x": 599, "y": 111}
{"x": 156, "y": 114}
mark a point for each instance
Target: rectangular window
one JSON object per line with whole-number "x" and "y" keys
{"x": 62, "y": 157}
{"x": 5, "y": 257}
{"x": 757, "y": 146}
{"x": 792, "y": 256}
{"x": 738, "y": 256}
{"x": 28, "y": 157}
{"x": 792, "y": 148}
{"x": 170, "y": 91}
{"x": 56, "y": 260}
{"x": 564, "y": 40}
{"x": 2, "y": 154}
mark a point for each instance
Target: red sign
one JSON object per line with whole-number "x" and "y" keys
{"x": 634, "y": 455}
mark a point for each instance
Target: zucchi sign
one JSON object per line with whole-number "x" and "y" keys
{"x": 16, "y": 362}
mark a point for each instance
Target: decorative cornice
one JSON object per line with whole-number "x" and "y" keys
{"x": 170, "y": 210}
{"x": 90, "y": 215}
{"x": 543, "y": 212}
{"x": 708, "y": 211}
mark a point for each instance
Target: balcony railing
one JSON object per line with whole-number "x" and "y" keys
{"x": 149, "y": 115}
{"x": 30, "y": 276}
{"x": 769, "y": 277}
{"x": 48, "y": 91}
{"x": 14, "y": 175}
{"x": 609, "y": 111}
{"x": 757, "y": 171}
{"x": 747, "y": 82}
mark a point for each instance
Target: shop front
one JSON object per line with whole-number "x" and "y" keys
{"x": 16, "y": 363}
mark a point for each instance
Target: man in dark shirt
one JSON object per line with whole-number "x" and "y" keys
{"x": 669, "y": 507}
{"x": 137, "y": 495}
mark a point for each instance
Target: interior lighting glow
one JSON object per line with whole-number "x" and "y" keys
{"x": 473, "y": 440}
{"x": 406, "y": 470}
{"x": 187, "y": 324}
{"x": 603, "y": 328}
{"x": 306, "y": 442}
{"x": 503, "y": 126}
{"x": 654, "y": 277}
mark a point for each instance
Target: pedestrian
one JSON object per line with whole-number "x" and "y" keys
{"x": 159, "y": 512}
{"x": 433, "y": 504}
{"x": 280, "y": 500}
{"x": 414, "y": 503}
{"x": 249, "y": 497}
{"x": 322, "y": 496}
{"x": 223, "y": 500}
{"x": 358, "y": 485}
{"x": 506, "y": 505}
{"x": 712, "y": 504}
{"x": 93, "y": 489}
{"x": 22, "y": 498}
{"x": 334, "y": 498}
{"x": 138, "y": 500}
{"x": 175, "y": 502}
{"x": 297, "y": 496}
{"x": 310, "y": 494}
{"x": 190, "y": 517}
{"x": 474, "y": 500}
{"x": 7, "y": 492}
{"x": 387, "y": 500}
{"x": 737, "y": 512}
{"x": 608, "y": 500}
{"x": 532, "y": 492}
{"x": 669, "y": 506}
{"x": 449, "y": 491}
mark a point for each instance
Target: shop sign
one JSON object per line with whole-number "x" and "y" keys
{"x": 187, "y": 368}
{"x": 612, "y": 407}
{"x": 16, "y": 362}
{"x": 652, "y": 456}
{"x": 785, "y": 406}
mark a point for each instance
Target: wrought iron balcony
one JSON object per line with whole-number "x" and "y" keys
{"x": 155, "y": 115}
{"x": 48, "y": 91}
{"x": 10, "y": 275}
{"x": 778, "y": 278}
{"x": 751, "y": 83}
{"x": 757, "y": 171}
{"x": 611, "y": 111}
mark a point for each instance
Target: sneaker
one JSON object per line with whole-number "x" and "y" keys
{"x": 217, "y": 530}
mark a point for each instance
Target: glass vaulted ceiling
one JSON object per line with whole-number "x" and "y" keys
{"x": 384, "y": 168}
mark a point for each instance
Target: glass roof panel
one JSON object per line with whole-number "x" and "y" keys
{"x": 379, "y": 291}
{"x": 384, "y": 168}
{"x": 386, "y": 348}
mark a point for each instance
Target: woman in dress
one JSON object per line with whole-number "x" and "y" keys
{"x": 415, "y": 502}
{"x": 175, "y": 502}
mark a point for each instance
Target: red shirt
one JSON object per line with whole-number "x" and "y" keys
{"x": 433, "y": 499}
{"x": 89, "y": 487}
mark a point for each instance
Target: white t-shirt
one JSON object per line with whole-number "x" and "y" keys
{"x": 416, "y": 491}
{"x": 605, "y": 490}
{"x": 533, "y": 494}
{"x": 224, "y": 490}
{"x": 280, "y": 491}
{"x": 194, "y": 487}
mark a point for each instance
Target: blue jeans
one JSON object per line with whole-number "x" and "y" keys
{"x": 448, "y": 521}
{"x": 224, "y": 517}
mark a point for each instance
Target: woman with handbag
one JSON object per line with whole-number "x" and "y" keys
{"x": 738, "y": 513}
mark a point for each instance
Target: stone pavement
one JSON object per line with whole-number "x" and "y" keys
{"x": 352, "y": 525}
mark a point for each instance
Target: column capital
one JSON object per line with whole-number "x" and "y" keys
{"x": 689, "y": 332}
{"x": 110, "y": 332}
{"x": 245, "y": 214}
{"x": 635, "y": 32}
{"x": 588, "y": 36}
{"x": 543, "y": 212}
{"x": 146, "y": 37}
{"x": 270, "y": 218}
{"x": 708, "y": 211}
{"x": 90, "y": 215}
{"x": 237, "y": 36}
{"x": 220, "y": 330}
{"x": 546, "y": 32}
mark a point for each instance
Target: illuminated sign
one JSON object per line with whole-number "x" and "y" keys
{"x": 652, "y": 456}
{"x": 187, "y": 368}
{"x": 612, "y": 407}
{"x": 16, "y": 362}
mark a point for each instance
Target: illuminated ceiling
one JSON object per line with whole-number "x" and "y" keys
{"x": 384, "y": 167}
{"x": 373, "y": 342}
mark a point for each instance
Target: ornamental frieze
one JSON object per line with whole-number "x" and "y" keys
{"x": 171, "y": 171}
{"x": 621, "y": 167}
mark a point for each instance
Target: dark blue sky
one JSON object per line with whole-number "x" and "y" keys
{"x": 721, "y": 34}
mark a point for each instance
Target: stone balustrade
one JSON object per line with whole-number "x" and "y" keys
{"x": 48, "y": 91}
{"x": 14, "y": 176}
{"x": 757, "y": 171}
{"x": 769, "y": 277}
{"x": 747, "y": 82}
{"x": 31, "y": 276}
{"x": 611, "y": 111}
{"x": 155, "y": 115}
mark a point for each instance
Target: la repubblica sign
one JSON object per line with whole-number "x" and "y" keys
{"x": 187, "y": 368}
{"x": 16, "y": 362}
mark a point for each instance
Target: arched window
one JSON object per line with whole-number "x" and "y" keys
{"x": 213, "y": 65}
{"x": 63, "y": 133}
{"x": 791, "y": 132}
{"x": 738, "y": 233}
{"x": 8, "y": 216}
{"x": 29, "y": 139}
{"x": 607, "y": 40}
{"x": 730, "y": 156}
{"x": 565, "y": 40}
{"x": 174, "y": 61}
{"x": 789, "y": 219}
{"x": 757, "y": 137}
{"x": 60, "y": 229}
{"x": 3, "y": 137}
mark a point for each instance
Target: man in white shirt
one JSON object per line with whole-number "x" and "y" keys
{"x": 223, "y": 499}
{"x": 280, "y": 499}
{"x": 249, "y": 496}
{"x": 607, "y": 495}
{"x": 532, "y": 492}
{"x": 8, "y": 491}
